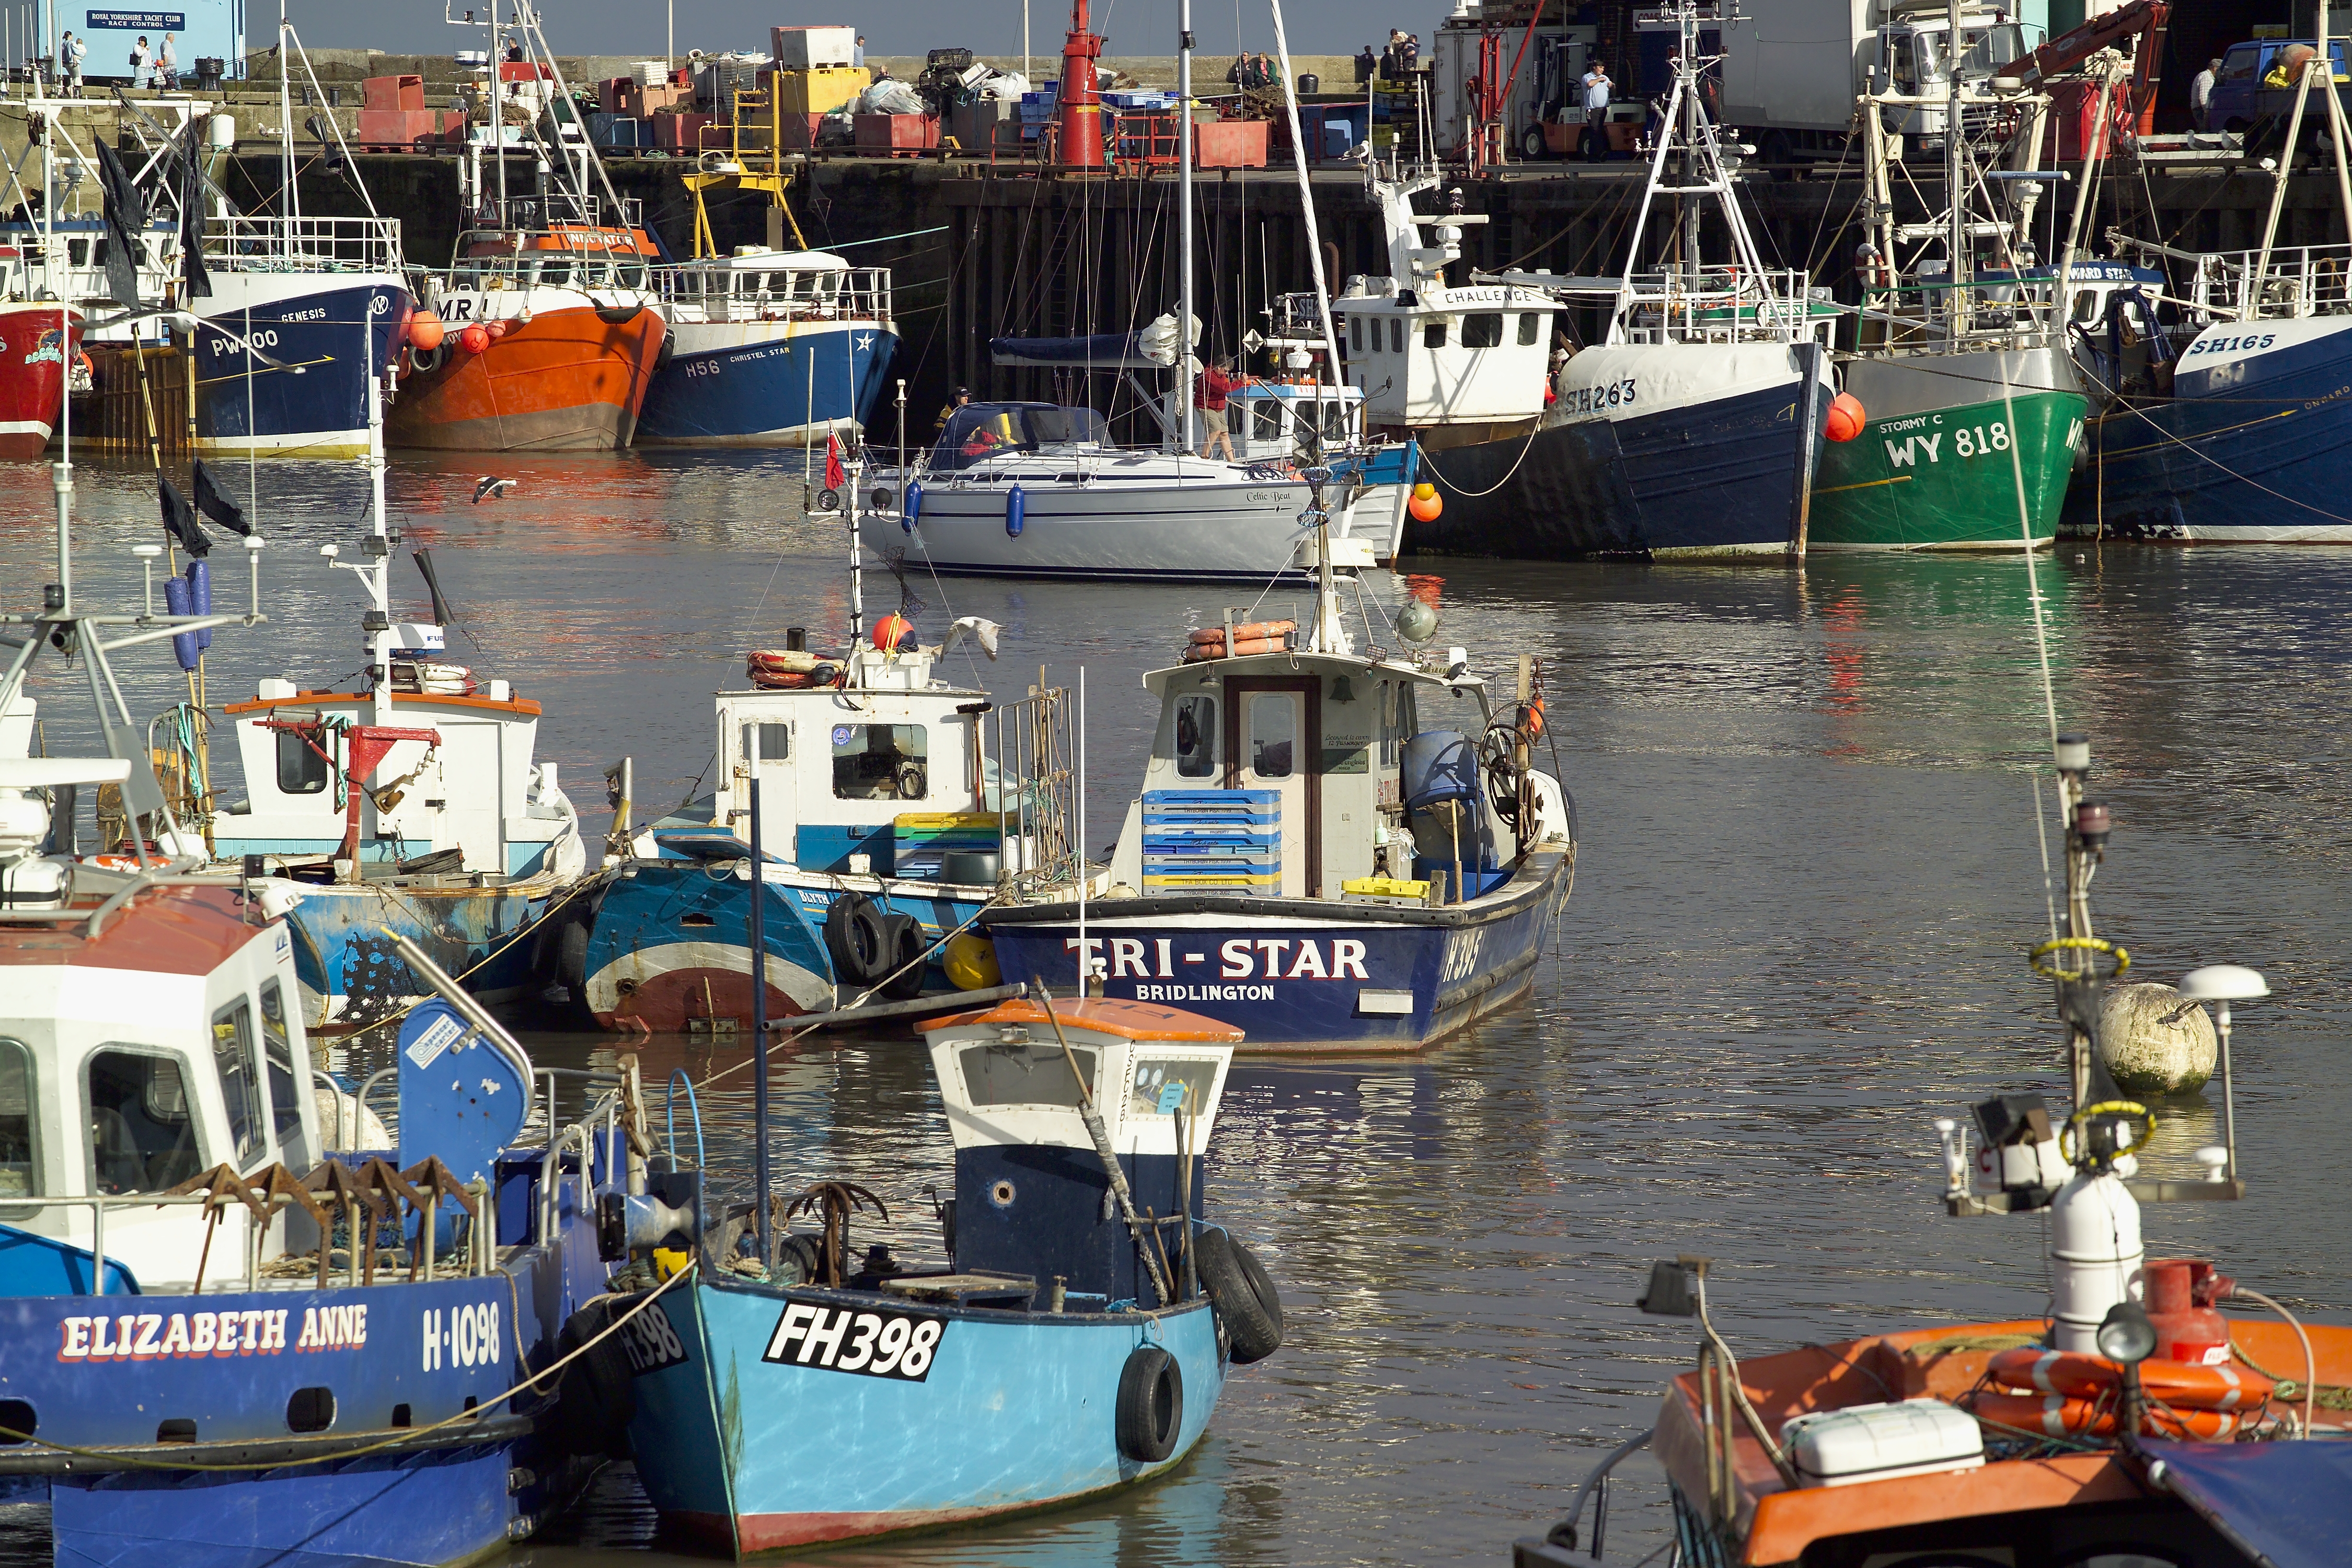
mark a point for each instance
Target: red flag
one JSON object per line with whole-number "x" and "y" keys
{"x": 835, "y": 476}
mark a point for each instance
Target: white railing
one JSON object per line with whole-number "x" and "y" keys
{"x": 2300, "y": 280}
{"x": 854, "y": 294}
{"x": 1721, "y": 305}
{"x": 303, "y": 244}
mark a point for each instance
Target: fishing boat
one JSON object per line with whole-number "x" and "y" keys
{"x": 770, "y": 348}
{"x": 410, "y": 805}
{"x": 2120, "y": 1416}
{"x": 236, "y": 1329}
{"x": 1964, "y": 373}
{"x": 887, "y": 806}
{"x": 1331, "y": 849}
{"x": 549, "y": 328}
{"x": 1075, "y": 1343}
{"x": 37, "y": 342}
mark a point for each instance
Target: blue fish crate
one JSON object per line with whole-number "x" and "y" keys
{"x": 1140, "y": 100}
{"x": 1207, "y": 805}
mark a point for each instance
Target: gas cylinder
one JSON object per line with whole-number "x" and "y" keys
{"x": 2095, "y": 1256}
{"x": 2188, "y": 1328}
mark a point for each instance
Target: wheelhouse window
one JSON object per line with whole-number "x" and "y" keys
{"x": 775, "y": 741}
{"x": 278, "y": 1053}
{"x": 1274, "y": 735}
{"x": 20, "y": 1155}
{"x": 1356, "y": 335}
{"x": 1396, "y": 335}
{"x": 1433, "y": 336}
{"x": 142, "y": 1130}
{"x": 1024, "y": 1073}
{"x": 300, "y": 769}
{"x": 1196, "y": 735}
{"x": 1165, "y": 1086}
{"x": 1264, "y": 419}
{"x": 1530, "y": 328}
{"x": 240, "y": 1082}
{"x": 1482, "y": 329}
{"x": 881, "y": 762}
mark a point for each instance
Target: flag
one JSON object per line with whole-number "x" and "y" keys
{"x": 218, "y": 507}
{"x": 835, "y": 476}
{"x": 195, "y": 283}
{"x": 126, "y": 221}
{"x": 178, "y": 519}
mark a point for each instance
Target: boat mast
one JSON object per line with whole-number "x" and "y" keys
{"x": 291, "y": 207}
{"x": 1956, "y": 244}
{"x": 498, "y": 110}
{"x": 1686, "y": 19}
{"x": 380, "y": 637}
{"x": 1306, "y": 200}
{"x": 1188, "y": 367}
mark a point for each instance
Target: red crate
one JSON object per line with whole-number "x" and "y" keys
{"x": 401, "y": 128}
{"x": 679, "y": 133}
{"x": 391, "y": 93}
{"x": 1230, "y": 144}
{"x": 896, "y": 133}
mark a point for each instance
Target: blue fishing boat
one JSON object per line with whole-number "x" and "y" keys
{"x": 772, "y": 348}
{"x": 241, "y": 1325}
{"x": 2226, "y": 424}
{"x": 1331, "y": 851}
{"x": 1076, "y": 1341}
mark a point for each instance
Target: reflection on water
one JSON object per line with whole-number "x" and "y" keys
{"x": 1808, "y": 878}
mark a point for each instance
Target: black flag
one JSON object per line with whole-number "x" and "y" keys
{"x": 177, "y": 516}
{"x": 218, "y": 507}
{"x": 126, "y": 222}
{"x": 195, "y": 283}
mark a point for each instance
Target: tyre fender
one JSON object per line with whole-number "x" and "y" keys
{"x": 596, "y": 1397}
{"x": 903, "y": 941}
{"x": 855, "y": 937}
{"x": 1242, "y": 1293}
{"x": 1150, "y": 1405}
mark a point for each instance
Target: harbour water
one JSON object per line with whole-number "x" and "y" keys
{"x": 1807, "y": 879}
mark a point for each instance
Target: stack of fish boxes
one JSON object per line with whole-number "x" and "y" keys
{"x": 922, "y": 840}
{"x": 1212, "y": 840}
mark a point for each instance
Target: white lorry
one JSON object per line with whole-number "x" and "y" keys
{"x": 1793, "y": 68}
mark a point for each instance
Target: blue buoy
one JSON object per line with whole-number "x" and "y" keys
{"x": 176, "y": 601}
{"x": 200, "y": 595}
{"x": 1016, "y": 508}
{"x": 910, "y": 508}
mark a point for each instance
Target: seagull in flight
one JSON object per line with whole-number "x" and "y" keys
{"x": 487, "y": 488}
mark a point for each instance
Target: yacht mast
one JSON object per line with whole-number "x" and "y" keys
{"x": 1187, "y": 366}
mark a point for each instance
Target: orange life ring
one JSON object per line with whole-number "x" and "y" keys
{"x": 1243, "y": 633}
{"x": 2071, "y": 1374}
{"x": 2057, "y": 1416}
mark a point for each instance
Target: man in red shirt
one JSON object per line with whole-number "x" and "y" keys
{"x": 1209, "y": 395}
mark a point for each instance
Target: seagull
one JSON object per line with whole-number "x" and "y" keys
{"x": 985, "y": 631}
{"x": 486, "y": 489}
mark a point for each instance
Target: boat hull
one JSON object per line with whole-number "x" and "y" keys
{"x": 32, "y": 377}
{"x": 351, "y": 973}
{"x": 1939, "y": 465}
{"x": 1302, "y": 975}
{"x": 765, "y": 384}
{"x": 325, "y": 335}
{"x": 567, "y": 380}
{"x": 1149, "y": 529}
{"x": 1014, "y": 1412}
{"x": 2250, "y": 449}
{"x": 1656, "y": 451}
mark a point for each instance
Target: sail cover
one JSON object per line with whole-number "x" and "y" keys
{"x": 1150, "y": 348}
{"x": 2286, "y": 1505}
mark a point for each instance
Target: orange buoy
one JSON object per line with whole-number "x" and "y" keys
{"x": 496, "y": 329}
{"x": 1426, "y": 503}
{"x": 2183, "y": 1383}
{"x": 425, "y": 331}
{"x": 2057, "y": 1416}
{"x": 894, "y": 634}
{"x": 1846, "y": 417}
{"x": 473, "y": 337}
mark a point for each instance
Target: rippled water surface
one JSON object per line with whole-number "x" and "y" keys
{"x": 1808, "y": 874}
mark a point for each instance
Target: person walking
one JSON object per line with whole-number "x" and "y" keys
{"x": 1209, "y": 394}
{"x": 2201, "y": 95}
{"x": 167, "y": 66}
{"x": 139, "y": 77}
{"x": 1597, "y": 86}
{"x": 1366, "y": 63}
{"x": 69, "y": 57}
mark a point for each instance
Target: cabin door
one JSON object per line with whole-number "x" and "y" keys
{"x": 1274, "y": 740}
{"x": 779, "y": 789}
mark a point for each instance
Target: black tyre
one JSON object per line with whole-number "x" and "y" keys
{"x": 854, "y": 935}
{"x": 596, "y": 1397}
{"x": 1242, "y": 1294}
{"x": 572, "y": 958}
{"x": 1150, "y": 1405}
{"x": 1531, "y": 144}
{"x": 905, "y": 944}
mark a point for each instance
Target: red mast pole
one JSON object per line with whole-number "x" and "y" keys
{"x": 1080, "y": 107}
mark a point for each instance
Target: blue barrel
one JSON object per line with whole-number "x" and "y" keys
{"x": 1439, "y": 765}
{"x": 1016, "y": 510}
{"x": 177, "y": 600}
{"x": 200, "y": 595}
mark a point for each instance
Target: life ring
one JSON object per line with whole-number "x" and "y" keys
{"x": 2080, "y": 1376}
{"x": 1242, "y": 1292}
{"x": 1248, "y": 630}
{"x": 903, "y": 940}
{"x": 1150, "y": 1412}
{"x": 2057, "y": 1416}
{"x": 1194, "y": 653}
{"x": 856, "y": 937}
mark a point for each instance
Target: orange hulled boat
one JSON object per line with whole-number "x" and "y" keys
{"x": 548, "y": 338}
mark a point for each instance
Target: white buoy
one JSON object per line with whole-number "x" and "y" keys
{"x": 2151, "y": 1042}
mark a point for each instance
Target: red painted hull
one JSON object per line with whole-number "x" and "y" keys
{"x": 565, "y": 380}
{"x": 32, "y": 377}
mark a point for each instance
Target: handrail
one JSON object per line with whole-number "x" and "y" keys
{"x": 677, "y": 1077}
{"x": 550, "y": 1164}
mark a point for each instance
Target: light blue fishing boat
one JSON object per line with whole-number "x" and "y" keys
{"x": 1076, "y": 1341}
